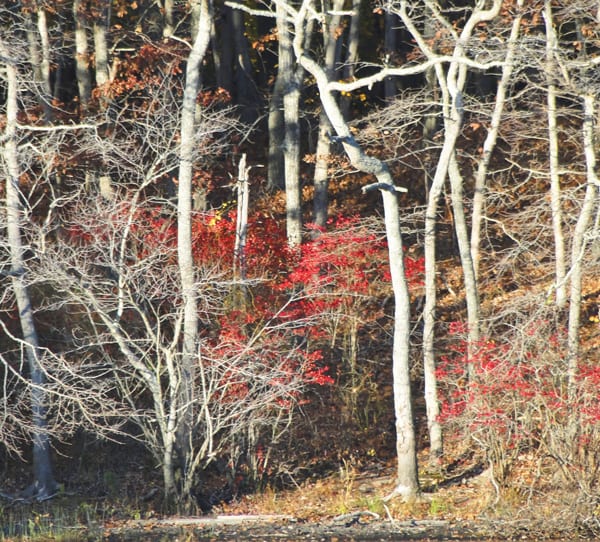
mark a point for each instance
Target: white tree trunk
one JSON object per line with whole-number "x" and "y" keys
{"x": 452, "y": 84}
{"x": 579, "y": 236}
{"x": 169, "y": 21}
{"x": 44, "y": 485}
{"x": 100, "y": 32}
{"x": 407, "y": 472}
{"x": 291, "y": 117}
{"x": 241, "y": 226}
{"x": 490, "y": 140}
{"x": 560, "y": 264}
{"x": 462, "y": 235}
{"x": 82, "y": 56}
{"x": 321, "y": 177}
{"x": 184, "y": 234}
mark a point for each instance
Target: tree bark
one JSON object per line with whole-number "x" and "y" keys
{"x": 100, "y": 33}
{"x": 579, "y": 238}
{"x": 291, "y": 117}
{"x": 247, "y": 95}
{"x": 40, "y": 55}
{"x": 555, "y": 197}
{"x": 490, "y": 140}
{"x": 168, "y": 19}
{"x": 276, "y": 165}
{"x": 351, "y": 54}
{"x": 321, "y": 177}
{"x": 44, "y": 486}
{"x": 407, "y": 484}
{"x": 184, "y": 235}
{"x": 82, "y": 56}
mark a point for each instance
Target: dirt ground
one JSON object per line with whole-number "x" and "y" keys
{"x": 350, "y": 529}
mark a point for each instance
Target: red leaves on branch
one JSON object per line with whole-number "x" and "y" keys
{"x": 520, "y": 396}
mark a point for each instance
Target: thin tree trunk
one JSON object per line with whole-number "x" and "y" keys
{"x": 462, "y": 235}
{"x": 184, "y": 238}
{"x": 407, "y": 484}
{"x": 241, "y": 227}
{"x": 557, "y": 228}
{"x": 44, "y": 486}
{"x": 490, "y": 141}
{"x": 579, "y": 237}
{"x": 452, "y": 84}
{"x": 82, "y": 56}
{"x": 321, "y": 177}
{"x": 352, "y": 53}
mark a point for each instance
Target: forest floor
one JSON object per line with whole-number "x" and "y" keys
{"x": 349, "y": 505}
{"x": 463, "y": 503}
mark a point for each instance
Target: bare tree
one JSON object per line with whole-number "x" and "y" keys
{"x": 489, "y": 144}
{"x": 117, "y": 266}
{"x": 44, "y": 485}
{"x": 407, "y": 475}
{"x": 184, "y": 248}
{"x": 452, "y": 85}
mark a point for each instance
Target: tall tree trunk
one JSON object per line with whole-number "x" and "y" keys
{"x": 100, "y": 33}
{"x": 184, "y": 238}
{"x": 247, "y": 95}
{"x": 82, "y": 56}
{"x": 351, "y": 54}
{"x": 490, "y": 140}
{"x": 321, "y": 178}
{"x": 555, "y": 203}
{"x": 462, "y": 236}
{"x": 39, "y": 52}
{"x": 44, "y": 486}
{"x": 291, "y": 142}
{"x": 390, "y": 48}
{"x": 452, "y": 83}
{"x": 223, "y": 49}
{"x": 407, "y": 484}
{"x": 276, "y": 165}
{"x": 579, "y": 237}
